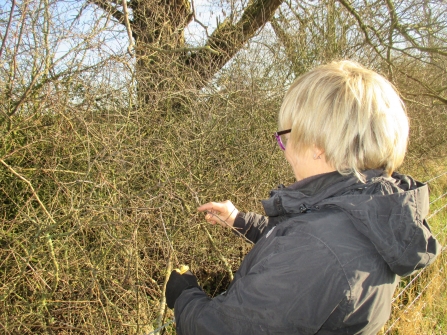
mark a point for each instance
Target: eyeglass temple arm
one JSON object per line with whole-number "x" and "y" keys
{"x": 282, "y": 132}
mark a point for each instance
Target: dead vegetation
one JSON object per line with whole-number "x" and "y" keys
{"x": 99, "y": 184}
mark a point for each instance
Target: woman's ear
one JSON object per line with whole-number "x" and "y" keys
{"x": 317, "y": 152}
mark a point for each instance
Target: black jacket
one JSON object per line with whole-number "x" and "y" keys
{"x": 327, "y": 259}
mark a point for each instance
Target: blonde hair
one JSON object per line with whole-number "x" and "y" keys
{"x": 354, "y": 114}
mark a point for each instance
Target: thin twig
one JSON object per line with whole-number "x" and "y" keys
{"x": 219, "y": 254}
{"x": 156, "y": 331}
{"x": 196, "y": 198}
{"x": 128, "y": 28}
{"x": 7, "y": 27}
{"x": 210, "y": 238}
{"x": 185, "y": 49}
{"x": 14, "y": 172}
{"x": 196, "y": 20}
{"x": 162, "y": 309}
{"x": 231, "y": 227}
{"x": 171, "y": 247}
{"x": 48, "y": 236}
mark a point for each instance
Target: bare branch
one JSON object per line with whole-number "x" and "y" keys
{"x": 8, "y": 26}
{"x": 407, "y": 36}
{"x": 227, "y": 39}
{"x": 197, "y": 20}
{"x": 48, "y": 237}
{"x": 206, "y": 48}
{"x": 105, "y": 5}
{"x": 361, "y": 24}
{"x": 128, "y": 28}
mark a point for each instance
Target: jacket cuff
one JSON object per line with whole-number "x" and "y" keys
{"x": 240, "y": 223}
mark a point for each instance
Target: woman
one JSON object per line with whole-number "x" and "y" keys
{"x": 330, "y": 251}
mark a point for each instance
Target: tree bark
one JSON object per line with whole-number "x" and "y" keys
{"x": 164, "y": 63}
{"x": 229, "y": 38}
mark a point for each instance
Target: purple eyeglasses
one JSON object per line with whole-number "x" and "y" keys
{"x": 278, "y": 137}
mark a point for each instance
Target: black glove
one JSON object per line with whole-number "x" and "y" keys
{"x": 177, "y": 283}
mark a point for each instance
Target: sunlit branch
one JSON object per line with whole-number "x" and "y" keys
{"x": 105, "y": 5}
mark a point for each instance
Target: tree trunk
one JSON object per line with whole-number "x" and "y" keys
{"x": 166, "y": 67}
{"x": 157, "y": 28}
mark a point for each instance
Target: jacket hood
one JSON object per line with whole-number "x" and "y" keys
{"x": 389, "y": 211}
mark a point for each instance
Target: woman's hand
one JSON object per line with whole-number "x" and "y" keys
{"x": 223, "y": 213}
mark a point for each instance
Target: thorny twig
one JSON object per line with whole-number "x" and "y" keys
{"x": 231, "y": 227}
{"x": 156, "y": 331}
{"x": 219, "y": 254}
{"x": 7, "y": 27}
{"x": 128, "y": 28}
{"x": 47, "y": 235}
{"x": 223, "y": 221}
{"x": 162, "y": 311}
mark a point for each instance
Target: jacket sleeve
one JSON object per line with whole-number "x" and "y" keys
{"x": 251, "y": 225}
{"x": 288, "y": 292}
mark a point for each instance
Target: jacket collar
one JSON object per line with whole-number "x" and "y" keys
{"x": 389, "y": 211}
{"x": 308, "y": 192}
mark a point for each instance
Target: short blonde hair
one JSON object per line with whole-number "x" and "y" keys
{"x": 354, "y": 114}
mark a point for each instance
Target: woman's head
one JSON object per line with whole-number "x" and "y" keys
{"x": 352, "y": 114}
